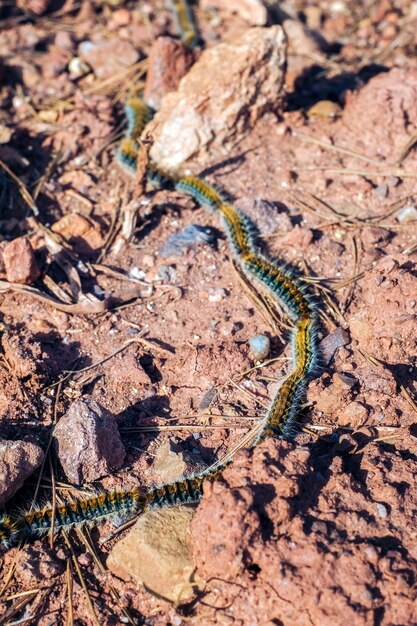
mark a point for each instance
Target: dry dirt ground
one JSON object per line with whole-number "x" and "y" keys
{"x": 316, "y": 531}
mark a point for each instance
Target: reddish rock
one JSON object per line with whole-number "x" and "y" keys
{"x": 38, "y": 7}
{"x": 20, "y": 262}
{"x": 354, "y": 414}
{"x": 298, "y": 238}
{"x": 168, "y": 61}
{"x": 79, "y": 232}
{"x": 222, "y": 96}
{"x": 18, "y": 461}
{"x": 88, "y": 442}
{"x": 108, "y": 58}
{"x": 310, "y": 544}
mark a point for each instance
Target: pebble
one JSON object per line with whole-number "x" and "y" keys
{"x": 77, "y": 68}
{"x": 406, "y": 214}
{"x": 354, "y": 414}
{"x": 332, "y": 342}
{"x": 20, "y": 262}
{"x": 108, "y": 58}
{"x": 382, "y": 509}
{"x": 168, "y": 61}
{"x": 382, "y": 190}
{"x": 260, "y": 347}
{"x": 221, "y": 97}
{"x": 88, "y": 442}
{"x": 157, "y": 553}
{"x": 324, "y": 109}
{"x": 79, "y": 232}
{"x": 268, "y": 216}
{"x": 192, "y": 235}
{"x": 171, "y": 462}
{"x": 18, "y": 461}
{"x": 253, "y": 11}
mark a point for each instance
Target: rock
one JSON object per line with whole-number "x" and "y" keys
{"x": 302, "y": 41}
{"x": 333, "y": 341}
{"x": 108, "y": 58}
{"x": 191, "y": 236}
{"x": 171, "y": 462}
{"x": 298, "y": 238}
{"x": 20, "y": 262}
{"x": 156, "y": 553}
{"x": 88, "y": 442}
{"x": 267, "y": 216}
{"x": 406, "y": 214}
{"x": 38, "y": 7}
{"x": 388, "y": 101}
{"x": 79, "y": 232}
{"x": 222, "y": 96}
{"x": 260, "y": 347}
{"x": 253, "y": 11}
{"x": 18, "y": 461}
{"x": 168, "y": 61}
{"x": 354, "y": 414}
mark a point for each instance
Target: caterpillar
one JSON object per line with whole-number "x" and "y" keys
{"x": 105, "y": 505}
{"x": 185, "y": 23}
{"x": 282, "y": 287}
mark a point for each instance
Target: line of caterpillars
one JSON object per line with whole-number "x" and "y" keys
{"x": 279, "y": 285}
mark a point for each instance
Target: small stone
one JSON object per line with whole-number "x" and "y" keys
{"x": 18, "y": 461}
{"x": 221, "y": 97}
{"x": 108, "y": 58}
{"x": 88, "y": 442}
{"x": 260, "y": 346}
{"x": 253, "y": 11}
{"x": 354, "y": 414}
{"x": 406, "y": 214}
{"x": 217, "y": 295}
{"x": 381, "y": 509}
{"x": 168, "y": 61}
{"x": 77, "y": 68}
{"x": 171, "y": 462}
{"x": 382, "y": 190}
{"x": 20, "y": 262}
{"x": 191, "y": 236}
{"x": 5, "y": 134}
{"x": 324, "y": 109}
{"x": 347, "y": 380}
{"x": 79, "y": 232}
{"x": 120, "y": 17}
{"x": 267, "y": 216}
{"x": 38, "y": 7}
{"x": 157, "y": 554}
{"x": 332, "y": 342}
{"x": 298, "y": 238}
{"x": 301, "y": 41}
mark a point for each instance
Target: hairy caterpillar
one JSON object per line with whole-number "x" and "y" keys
{"x": 105, "y": 505}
